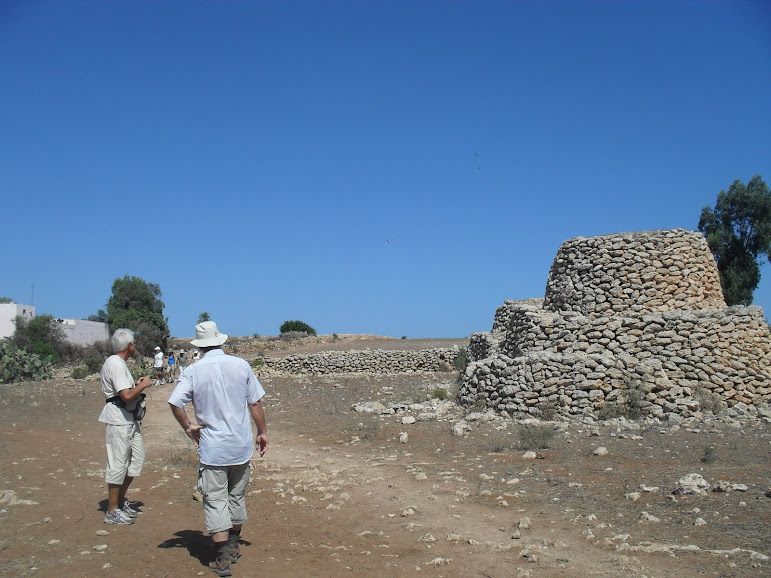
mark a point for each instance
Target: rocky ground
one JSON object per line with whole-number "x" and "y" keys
{"x": 376, "y": 476}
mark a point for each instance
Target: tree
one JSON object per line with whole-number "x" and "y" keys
{"x": 288, "y": 326}
{"x": 100, "y": 316}
{"x": 203, "y": 317}
{"x": 136, "y": 305}
{"x": 41, "y": 336}
{"x": 6, "y": 300}
{"x": 738, "y": 232}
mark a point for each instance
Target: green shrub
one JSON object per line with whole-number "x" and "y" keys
{"x": 16, "y": 364}
{"x": 288, "y": 326}
{"x": 80, "y": 372}
{"x": 259, "y": 362}
{"x": 439, "y": 393}
{"x": 404, "y": 337}
{"x": 535, "y": 437}
{"x": 461, "y": 361}
{"x": 42, "y": 336}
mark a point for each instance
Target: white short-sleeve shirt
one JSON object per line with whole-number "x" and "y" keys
{"x": 116, "y": 377}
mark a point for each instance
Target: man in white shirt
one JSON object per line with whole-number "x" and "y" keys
{"x": 226, "y": 395}
{"x": 158, "y": 366}
{"x": 123, "y": 434}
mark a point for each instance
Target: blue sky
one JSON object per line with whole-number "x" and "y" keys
{"x": 254, "y": 158}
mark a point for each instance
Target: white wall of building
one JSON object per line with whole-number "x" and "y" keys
{"x": 9, "y": 312}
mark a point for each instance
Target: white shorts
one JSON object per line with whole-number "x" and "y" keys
{"x": 224, "y": 495}
{"x": 125, "y": 452}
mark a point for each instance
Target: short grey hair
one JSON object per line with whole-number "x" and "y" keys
{"x": 121, "y": 339}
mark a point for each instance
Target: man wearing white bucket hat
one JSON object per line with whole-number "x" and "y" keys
{"x": 226, "y": 394}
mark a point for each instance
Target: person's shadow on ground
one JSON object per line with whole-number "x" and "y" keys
{"x": 197, "y": 543}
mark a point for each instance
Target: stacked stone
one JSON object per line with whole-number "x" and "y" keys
{"x": 638, "y": 272}
{"x": 379, "y": 361}
{"x": 596, "y": 342}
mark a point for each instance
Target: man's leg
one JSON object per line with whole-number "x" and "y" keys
{"x": 213, "y": 485}
{"x": 123, "y": 488}
{"x": 238, "y": 479}
{"x": 113, "y": 492}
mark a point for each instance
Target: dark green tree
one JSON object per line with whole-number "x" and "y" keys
{"x": 136, "y": 305}
{"x": 288, "y": 326}
{"x": 6, "y": 300}
{"x": 100, "y": 316}
{"x": 738, "y": 232}
{"x": 204, "y": 317}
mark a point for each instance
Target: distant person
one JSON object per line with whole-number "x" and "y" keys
{"x": 158, "y": 366}
{"x": 225, "y": 394}
{"x": 182, "y": 359}
{"x": 172, "y": 365}
{"x": 123, "y": 434}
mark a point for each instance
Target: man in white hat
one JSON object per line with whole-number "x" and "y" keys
{"x": 226, "y": 394}
{"x": 158, "y": 366}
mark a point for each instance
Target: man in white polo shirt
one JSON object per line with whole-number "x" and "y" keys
{"x": 226, "y": 395}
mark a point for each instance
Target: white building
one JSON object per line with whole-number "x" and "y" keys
{"x": 82, "y": 332}
{"x": 76, "y": 331}
{"x": 9, "y": 312}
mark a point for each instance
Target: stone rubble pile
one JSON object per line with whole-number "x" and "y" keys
{"x": 628, "y": 318}
{"x": 377, "y": 361}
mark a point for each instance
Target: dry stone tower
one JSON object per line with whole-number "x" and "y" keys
{"x": 626, "y": 318}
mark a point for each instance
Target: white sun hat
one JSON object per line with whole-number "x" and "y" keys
{"x": 157, "y": 348}
{"x": 207, "y": 335}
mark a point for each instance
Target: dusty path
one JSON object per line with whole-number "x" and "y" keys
{"x": 339, "y": 494}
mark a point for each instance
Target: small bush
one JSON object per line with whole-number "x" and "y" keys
{"x": 632, "y": 404}
{"x": 534, "y": 437}
{"x": 710, "y": 455}
{"x": 708, "y": 400}
{"x": 335, "y": 337}
{"x": 404, "y": 337}
{"x": 547, "y": 410}
{"x": 461, "y": 361}
{"x": 439, "y": 393}
{"x": 288, "y": 326}
{"x": 80, "y": 372}
{"x": 259, "y": 362}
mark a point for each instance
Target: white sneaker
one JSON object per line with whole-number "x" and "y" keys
{"x": 118, "y": 517}
{"x": 128, "y": 510}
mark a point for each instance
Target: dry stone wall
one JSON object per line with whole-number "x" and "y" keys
{"x": 372, "y": 361}
{"x": 626, "y": 318}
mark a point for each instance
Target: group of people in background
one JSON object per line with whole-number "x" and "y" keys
{"x": 168, "y": 367}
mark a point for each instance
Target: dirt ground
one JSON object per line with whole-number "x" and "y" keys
{"x": 342, "y": 492}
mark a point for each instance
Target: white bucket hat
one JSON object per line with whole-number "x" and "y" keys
{"x": 207, "y": 335}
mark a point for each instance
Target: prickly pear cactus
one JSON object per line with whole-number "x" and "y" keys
{"x": 17, "y": 365}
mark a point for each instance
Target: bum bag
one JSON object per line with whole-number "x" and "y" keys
{"x": 139, "y": 411}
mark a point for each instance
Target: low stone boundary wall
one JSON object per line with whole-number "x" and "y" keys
{"x": 371, "y": 361}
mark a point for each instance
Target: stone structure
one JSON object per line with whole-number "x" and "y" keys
{"x": 372, "y": 361}
{"x": 634, "y": 317}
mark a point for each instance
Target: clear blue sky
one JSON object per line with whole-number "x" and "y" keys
{"x": 253, "y": 158}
